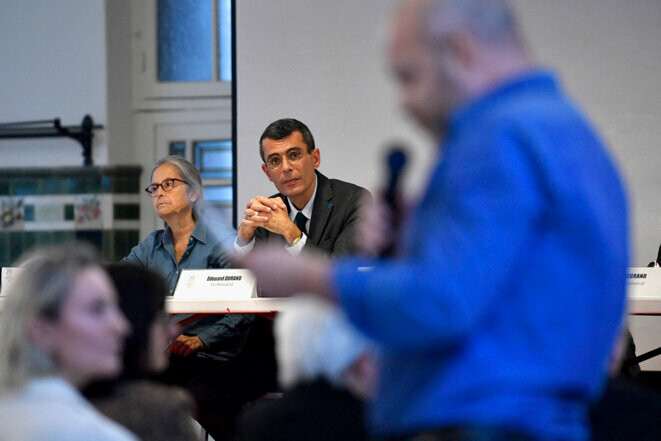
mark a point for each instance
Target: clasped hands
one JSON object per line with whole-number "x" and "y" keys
{"x": 268, "y": 213}
{"x": 185, "y": 345}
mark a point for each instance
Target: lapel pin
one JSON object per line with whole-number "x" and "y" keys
{"x": 330, "y": 205}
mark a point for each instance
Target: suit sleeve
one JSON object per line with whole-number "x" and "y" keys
{"x": 346, "y": 243}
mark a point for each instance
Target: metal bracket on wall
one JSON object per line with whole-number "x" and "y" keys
{"x": 51, "y": 128}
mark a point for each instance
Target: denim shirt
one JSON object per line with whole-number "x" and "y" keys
{"x": 222, "y": 334}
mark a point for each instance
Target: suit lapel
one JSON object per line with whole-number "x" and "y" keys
{"x": 322, "y": 209}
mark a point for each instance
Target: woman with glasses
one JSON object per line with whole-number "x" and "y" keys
{"x": 209, "y": 358}
{"x": 185, "y": 241}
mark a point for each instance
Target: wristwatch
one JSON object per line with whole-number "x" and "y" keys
{"x": 297, "y": 240}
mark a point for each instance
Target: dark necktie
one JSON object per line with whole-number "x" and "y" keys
{"x": 300, "y": 220}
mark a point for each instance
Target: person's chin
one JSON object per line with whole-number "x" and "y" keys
{"x": 290, "y": 189}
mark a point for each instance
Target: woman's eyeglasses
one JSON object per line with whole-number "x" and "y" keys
{"x": 166, "y": 185}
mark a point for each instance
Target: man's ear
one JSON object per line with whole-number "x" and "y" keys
{"x": 461, "y": 48}
{"x": 41, "y": 331}
{"x": 316, "y": 158}
{"x": 265, "y": 169}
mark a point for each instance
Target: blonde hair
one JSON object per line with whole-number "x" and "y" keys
{"x": 39, "y": 290}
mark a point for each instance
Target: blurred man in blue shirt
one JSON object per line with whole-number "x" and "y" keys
{"x": 498, "y": 318}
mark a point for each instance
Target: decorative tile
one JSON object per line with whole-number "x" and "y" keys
{"x": 28, "y": 213}
{"x": 125, "y": 184}
{"x": 48, "y": 213}
{"x": 68, "y": 212}
{"x": 126, "y": 211}
{"x": 87, "y": 211}
{"x": 63, "y": 236}
{"x": 53, "y": 186}
{"x": 11, "y": 213}
{"x": 4, "y": 249}
{"x": 106, "y": 184}
{"x": 16, "y": 248}
{"x": 95, "y": 237}
{"x": 29, "y": 239}
{"x": 22, "y": 187}
{"x": 44, "y": 237}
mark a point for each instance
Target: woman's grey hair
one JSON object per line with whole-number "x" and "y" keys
{"x": 191, "y": 175}
{"x": 40, "y": 289}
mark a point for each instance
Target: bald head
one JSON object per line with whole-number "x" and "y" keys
{"x": 489, "y": 21}
{"x": 446, "y": 52}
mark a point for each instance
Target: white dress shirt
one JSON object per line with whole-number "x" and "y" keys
{"x": 293, "y": 249}
{"x": 50, "y": 409}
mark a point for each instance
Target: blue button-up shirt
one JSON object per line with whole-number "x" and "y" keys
{"x": 504, "y": 307}
{"x": 222, "y": 335}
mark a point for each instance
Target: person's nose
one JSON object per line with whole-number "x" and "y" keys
{"x": 286, "y": 165}
{"x": 119, "y": 323}
{"x": 157, "y": 192}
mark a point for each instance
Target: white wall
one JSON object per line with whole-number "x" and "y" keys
{"x": 609, "y": 54}
{"x": 53, "y": 65}
{"x": 323, "y": 62}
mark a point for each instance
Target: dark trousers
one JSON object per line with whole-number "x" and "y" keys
{"x": 222, "y": 387}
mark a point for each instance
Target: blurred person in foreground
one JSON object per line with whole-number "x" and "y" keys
{"x": 326, "y": 369}
{"x": 212, "y": 357}
{"x": 135, "y": 399}
{"x": 61, "y": 329}
{"x": 498, "y": 318}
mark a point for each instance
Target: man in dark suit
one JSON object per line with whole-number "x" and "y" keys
{"x": 310, "y": 210}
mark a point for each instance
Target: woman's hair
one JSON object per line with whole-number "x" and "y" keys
{"x": 141, "y": 293}
{"x": 191, "y": 175}
{"x": 40, "y": 290}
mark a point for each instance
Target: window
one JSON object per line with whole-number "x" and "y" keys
{"x": 182, "y": 100}
{"x": 183, "y": 49}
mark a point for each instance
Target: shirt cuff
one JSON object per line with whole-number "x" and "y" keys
{"x": 241, "y": 251}
{"x": 295, "y": 250}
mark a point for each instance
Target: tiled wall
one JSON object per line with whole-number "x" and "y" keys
{"x": 50, "y": 206}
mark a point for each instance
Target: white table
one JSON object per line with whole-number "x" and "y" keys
{"x": 192, "y": 306}
{"x": 254, "y": 306}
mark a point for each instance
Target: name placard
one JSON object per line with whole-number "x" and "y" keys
{"x": 216, "y": 284}
{"x": 644, "y": 283}
{"x": 8, "y": 273}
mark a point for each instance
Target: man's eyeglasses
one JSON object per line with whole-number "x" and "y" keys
{"x": 274, "y": 162}
{"x": 166, "y": 185}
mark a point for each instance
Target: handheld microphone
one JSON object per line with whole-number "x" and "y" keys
{"x": 395, "y": 162}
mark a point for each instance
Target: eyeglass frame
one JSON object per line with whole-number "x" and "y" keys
{"x": 151, "y": 192}
{"x": 293, "y": 150}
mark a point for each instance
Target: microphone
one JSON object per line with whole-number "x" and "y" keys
{"x": 395, "y": 163}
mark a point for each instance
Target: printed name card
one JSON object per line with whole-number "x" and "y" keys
{"x": 216, "y": 284}
{"x": 8, "y": 274}
{"x": 644, "y": 283}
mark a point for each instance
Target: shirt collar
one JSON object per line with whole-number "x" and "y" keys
{"x": 537, "y": 79}
{"x": 307, "y": 210}
{"x": 200, "y": 233}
